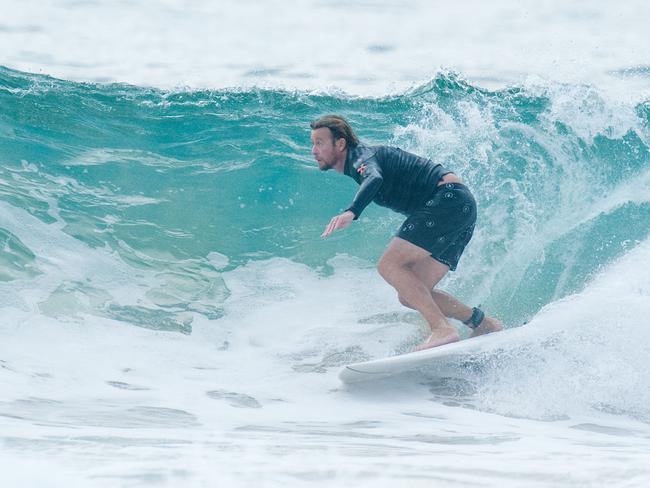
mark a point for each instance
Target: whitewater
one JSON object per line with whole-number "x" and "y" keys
{"x": 169, "y": 315}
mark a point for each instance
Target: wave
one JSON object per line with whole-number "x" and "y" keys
{"x": 560, "y": 172}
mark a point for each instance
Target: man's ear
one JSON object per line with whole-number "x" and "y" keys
{"x": 341, "y": 143}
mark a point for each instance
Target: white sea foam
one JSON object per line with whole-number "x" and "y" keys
{"x": 595, "y": 358}
{"x": 255, "y": 392}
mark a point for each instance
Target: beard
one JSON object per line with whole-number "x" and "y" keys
{"x": 325, "y": 166}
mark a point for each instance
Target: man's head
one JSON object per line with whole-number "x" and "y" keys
{"x": 331, "y": 136}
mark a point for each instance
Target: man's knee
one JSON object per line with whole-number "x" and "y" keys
{"x": 387, "y": 268}
{"x": 404, "y": 301}
{"x": 384, "y": 267}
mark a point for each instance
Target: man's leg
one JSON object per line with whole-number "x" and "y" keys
{"x": 449, "y": 305}
{"x": 397, "y": 266}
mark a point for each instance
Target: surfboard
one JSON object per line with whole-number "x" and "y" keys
{"x": 443, "y": 358}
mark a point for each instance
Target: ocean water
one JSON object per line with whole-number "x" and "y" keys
{"x": 169, "y": 315}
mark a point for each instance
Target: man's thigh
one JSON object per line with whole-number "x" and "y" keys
{"x": 401, "y": 252}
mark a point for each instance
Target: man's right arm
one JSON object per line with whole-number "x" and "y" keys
{"x": 371, "y": 182}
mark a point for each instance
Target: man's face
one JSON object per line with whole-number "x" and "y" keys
{"x": 325, "y": 151}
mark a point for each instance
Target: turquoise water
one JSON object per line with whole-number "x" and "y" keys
{"x": 161, "y": 177}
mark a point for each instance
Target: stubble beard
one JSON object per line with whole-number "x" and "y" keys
{"x": 323, "y": 166}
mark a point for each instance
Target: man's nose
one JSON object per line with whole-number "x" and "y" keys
{"x": 313, "y": 150}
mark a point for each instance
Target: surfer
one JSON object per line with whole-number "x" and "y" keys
{"x": 440, "y": 210}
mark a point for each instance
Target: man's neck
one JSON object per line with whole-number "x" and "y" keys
{"x": 339, "y": 167}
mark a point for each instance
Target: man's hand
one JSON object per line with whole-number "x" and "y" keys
{"x": 338, "y": 222}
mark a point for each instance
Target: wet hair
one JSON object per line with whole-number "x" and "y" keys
{"x": 339, "y": 127}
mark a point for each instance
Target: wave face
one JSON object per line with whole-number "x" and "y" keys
{"x": 185, "y": 184}
{"x": 164, "y": 287}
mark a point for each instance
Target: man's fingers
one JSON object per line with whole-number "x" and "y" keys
{"x": 327, "y": 230}
{"x": 330, "y": 227}
{"x": 338, "y": 222}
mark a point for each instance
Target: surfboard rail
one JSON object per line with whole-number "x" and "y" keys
{"x": 457, "y": 352}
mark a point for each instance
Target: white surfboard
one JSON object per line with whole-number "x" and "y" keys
{"x": 441, "y": 357}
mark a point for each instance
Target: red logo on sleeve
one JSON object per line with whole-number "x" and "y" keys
{"x": 362, "y": 168}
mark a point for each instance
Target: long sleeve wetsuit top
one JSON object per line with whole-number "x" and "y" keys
{"x": 391, "y": 177}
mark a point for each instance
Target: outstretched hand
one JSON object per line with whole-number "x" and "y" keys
{"x": 339, "y": 222}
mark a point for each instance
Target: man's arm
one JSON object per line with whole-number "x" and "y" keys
{"x": 371, "y": 181}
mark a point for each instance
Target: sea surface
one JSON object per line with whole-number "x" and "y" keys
{"x": 169, "y": 315}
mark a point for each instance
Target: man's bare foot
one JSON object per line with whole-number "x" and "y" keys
{"x": 486, "y": 326}
{"x": 439, "y": 338}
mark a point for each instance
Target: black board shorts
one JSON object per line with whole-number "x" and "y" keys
{"x": 444, "y": 224}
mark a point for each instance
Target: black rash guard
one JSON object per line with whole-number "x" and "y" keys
{"x": 391, "y": 177}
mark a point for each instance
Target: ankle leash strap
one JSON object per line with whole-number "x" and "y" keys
{"x": 475, "y": 320}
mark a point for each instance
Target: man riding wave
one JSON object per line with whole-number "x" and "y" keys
{"x": 441, "y": 214}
